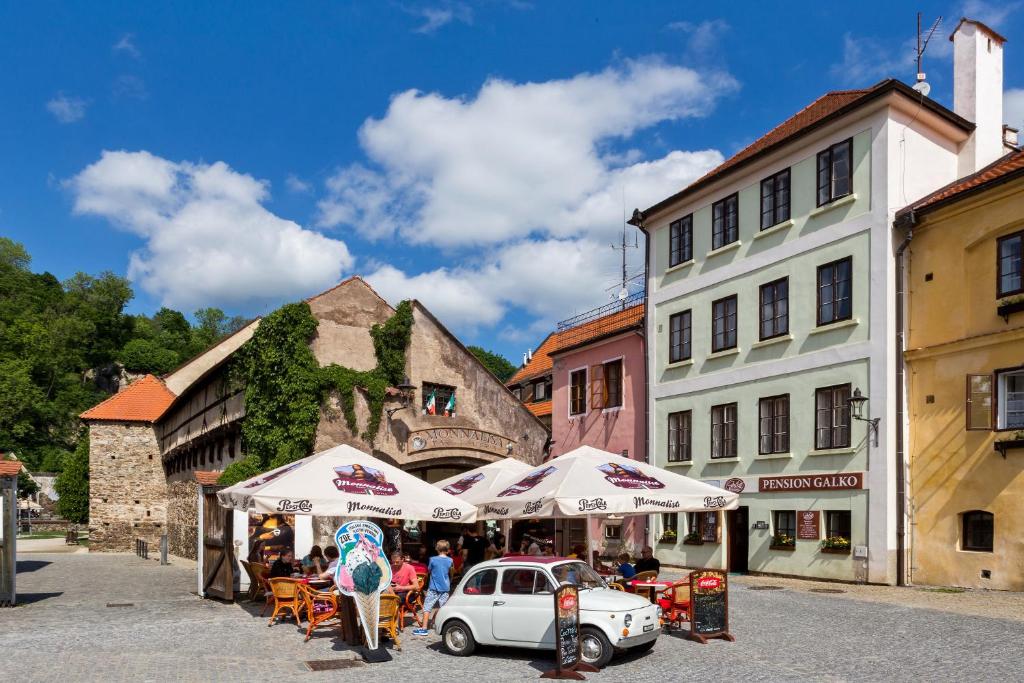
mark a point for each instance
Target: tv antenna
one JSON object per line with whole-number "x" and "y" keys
{"x": 623, "y": 246}
{"x": 921, "y": 86}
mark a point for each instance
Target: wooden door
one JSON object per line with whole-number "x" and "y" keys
{"x": 739, "y": 540}
{"x": 218, "y": 547}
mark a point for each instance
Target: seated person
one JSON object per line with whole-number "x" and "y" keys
{"x": 283, "y": 565}
{"x": 625, "y": 568}
{"x": 647, "y": 561}
{"x": 314, "y": 562}
{"x": 331, "y": 554}
{"x": 579, "y": 552}
{"x": 403, "y": 576}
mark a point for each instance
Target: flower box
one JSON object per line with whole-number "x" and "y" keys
{"x": 782, "y": 547}
{"x": 836, "y": 551}
{"x": 1003, "y": 445}
{"x": 1008, "y": 306}
{"x": 691, "y": 541}
{"x": 670, "y": 540}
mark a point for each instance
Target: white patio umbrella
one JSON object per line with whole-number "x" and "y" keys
{"x": 485, "y": 482}
{"x": 345, "y": 482}
{"x": 588, "y": 482}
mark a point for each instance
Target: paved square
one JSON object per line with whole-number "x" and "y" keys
{"x": 64, "y": 631}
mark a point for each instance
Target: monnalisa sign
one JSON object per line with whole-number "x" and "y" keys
{"x": 811, "y": 482}
{"x": 460, "y": 437}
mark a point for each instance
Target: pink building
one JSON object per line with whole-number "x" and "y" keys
{"x": 597, "y": 399}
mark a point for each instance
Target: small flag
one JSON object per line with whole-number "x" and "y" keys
{"x": 449, "y": 408}
{"x": 432, "y": 403}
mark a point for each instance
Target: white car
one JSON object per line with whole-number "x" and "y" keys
{"x": 509, "y": 601}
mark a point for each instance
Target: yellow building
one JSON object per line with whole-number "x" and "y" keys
{"x": 964, "y": 313}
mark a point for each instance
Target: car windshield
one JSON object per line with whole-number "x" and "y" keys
{"x": 578, "y": 573}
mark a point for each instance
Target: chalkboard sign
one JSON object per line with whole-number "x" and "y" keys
{"x": 567, "y": 635}
{"x": 709, "y": 605}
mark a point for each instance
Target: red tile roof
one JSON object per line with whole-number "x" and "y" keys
{"x": 999, "y": 171}
{"x": 600, "y": 328}
{"x": 540, "y": 408}
{"x": 10, "y": 468}
{"x": 826, "y": 108}
{"x": 144, "y": 400}
{"x": 206, "y": 478}
{"x": 540, "y": 364}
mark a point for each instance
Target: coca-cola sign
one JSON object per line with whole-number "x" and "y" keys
{"x": 709, "y": 583}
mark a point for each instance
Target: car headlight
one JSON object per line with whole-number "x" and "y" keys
{"x": 627, "y": 620}
{"x": 659, "y": 612}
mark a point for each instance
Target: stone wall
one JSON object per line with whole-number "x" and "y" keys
{"x": 127, "y": 487}
{"x": 183, "y": 518}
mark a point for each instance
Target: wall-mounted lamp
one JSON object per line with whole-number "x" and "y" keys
{"x": 857, "y": 402}
{"x": 406, "y": 393}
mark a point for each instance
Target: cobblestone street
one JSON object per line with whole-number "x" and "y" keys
{"x": 64, "y": 629}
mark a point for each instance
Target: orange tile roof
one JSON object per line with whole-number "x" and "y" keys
{"x": 1001, "y": 170}
{"x": 206, "y": 478}
{"x": 144, "y": 400}
{"x": 540, "y": 364}
{"x": 10, "y": 468}
{"x": 600, "y": 328}
{"x": 829, "y": 106}
{"x": 540, "y": 408}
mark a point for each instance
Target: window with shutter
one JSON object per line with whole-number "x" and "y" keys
{"x": 979, "y": 402}
{"x": 597, "y": 390}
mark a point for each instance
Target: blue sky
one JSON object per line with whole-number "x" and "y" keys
{"x": 477, "y": 156}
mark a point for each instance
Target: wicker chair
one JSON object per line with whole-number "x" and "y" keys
{"x": 260, "y": 573}
{"x": 285, "y": 593}
{"x": 388, "y": 620}
{"x": 675, "y": 604}
{"x": 254, "y": 585}
{"x": 321, "y": 607}
{"x": 413, "y": 602}
{"x": 646, "y": 576}
{"x": 616, "y": 586}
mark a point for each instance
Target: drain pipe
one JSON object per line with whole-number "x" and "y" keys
{"x": 637, "y": 221}
{"x": 906, "y": 223}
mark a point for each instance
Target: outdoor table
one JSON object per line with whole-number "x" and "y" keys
{"x": 651, "y": 586}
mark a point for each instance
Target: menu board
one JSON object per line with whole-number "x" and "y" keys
{"x": 808, "y": 525}
{"x": 567, "y": 626}
{"x": 709, "y": 605}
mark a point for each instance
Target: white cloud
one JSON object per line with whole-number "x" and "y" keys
{"x": 126, "y": 45}
{"x": 868, "y": 60}
{"x": 1013, "y": 107}
{"x": 518, "y": 160}
{"x": 436, "y": 17}
{"x": 209, "y": 239}
{"x": 296, "y": 184}
{"x": 993, "y": 14}
{"x": 67, "y": 108}
{"x": 705, "y": 39}
{"x": 131, "y": 87}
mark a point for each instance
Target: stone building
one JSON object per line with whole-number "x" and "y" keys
{"x": 153, "y": 444}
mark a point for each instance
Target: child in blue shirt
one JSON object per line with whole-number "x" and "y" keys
{"x": 625, "y": 568}
{"x": 439, "y": 585}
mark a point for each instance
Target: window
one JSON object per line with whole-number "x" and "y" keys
{"x": 481, "y": 583}
{"x": 835, "y": 298}
{"x": 524, "y": 582}
{"x": 723, "y": 324}
{"x": 979, "y": 402}
{"x": 679, "y": 337}
{"x": 784, "y": 522}
{"x": 680, "y": 241}
{"x": 832, "y": 417}
{"x": 978, "y": 531}
{"x": 578, "y": 392}
{"x": 775, "y": 199}
{"x": 542, "y": 389}
{"x": 670, "y": 522}
{"x": 725, "y": 223}
{"x": 837, "y": 523}
{"x": 613, "y": 531}
{"x": 835, "y": 173}
{"x": 709, "y": 527}
{"x": 723, "y": 431}
{"x": 775, "y": 309}
{"x": 438, "y": 399}
{"x": 1010, "y": 250}
{"x": 679, "y": 436}
{"x": 613, "y": 383}
{"x": 1010, "y": 399}
{"x": 773, "y": 418}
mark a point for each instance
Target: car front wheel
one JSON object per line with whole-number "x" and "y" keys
{"x": 458, "y": 639}
{"x": 595, "y": 647}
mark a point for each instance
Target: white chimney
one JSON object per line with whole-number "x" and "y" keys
{"x": 978, "y": 91}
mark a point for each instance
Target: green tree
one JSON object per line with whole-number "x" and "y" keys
{"x": 147, "y": 355}
{"x": 500, "y": 366}
{"x": 26, "y": 485}
{"x": 72, "y": 484}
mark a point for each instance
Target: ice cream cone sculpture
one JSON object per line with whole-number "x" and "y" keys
{"x": 362, "y": 572}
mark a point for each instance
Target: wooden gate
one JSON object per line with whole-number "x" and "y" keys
{"x": 218, "y": 564}
{"x": 8, "y": 534}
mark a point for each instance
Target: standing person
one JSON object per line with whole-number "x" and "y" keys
{"x": 439, "y": 584}
{"x": 647, "y": 562}
{"x": 533, "y": 548}
{"x": 473, "y": 548}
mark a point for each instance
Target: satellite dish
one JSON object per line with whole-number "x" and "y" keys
{"x": 623, "y": 293}
{"x": 923, "y": 88}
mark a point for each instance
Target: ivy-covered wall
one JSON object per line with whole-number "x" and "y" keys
{"x": 285, "y": 386}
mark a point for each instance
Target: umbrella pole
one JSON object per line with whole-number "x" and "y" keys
{"x": 590, "y": 545}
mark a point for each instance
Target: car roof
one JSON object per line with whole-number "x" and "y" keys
{"x": 534, "y": 559}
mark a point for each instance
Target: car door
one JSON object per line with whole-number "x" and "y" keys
{"x": 524, "y": 609}
{"x": 474, "y": 601}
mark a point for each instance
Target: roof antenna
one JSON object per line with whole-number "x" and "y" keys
{"x": 921, "y": 86}
{"x": 623, "y": 246}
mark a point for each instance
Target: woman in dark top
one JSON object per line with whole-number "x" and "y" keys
{"x": 283, "y": 566}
